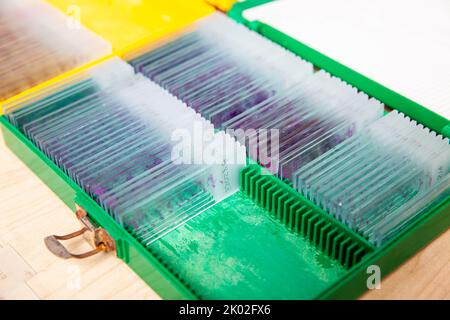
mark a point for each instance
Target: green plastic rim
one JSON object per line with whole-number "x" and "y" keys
{"x": 390, "y": 98}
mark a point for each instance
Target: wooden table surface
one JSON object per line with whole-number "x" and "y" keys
{"x": 30, "y": 211}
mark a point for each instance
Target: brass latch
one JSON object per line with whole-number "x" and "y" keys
{"x": 98, "y": 238}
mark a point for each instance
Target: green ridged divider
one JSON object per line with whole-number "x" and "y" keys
{"x": 302, "y": 217}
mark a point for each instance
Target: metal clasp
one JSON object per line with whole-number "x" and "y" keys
{"x": 98, "y": 238}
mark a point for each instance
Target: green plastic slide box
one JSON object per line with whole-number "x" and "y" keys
{"x": 277, "y": 201}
